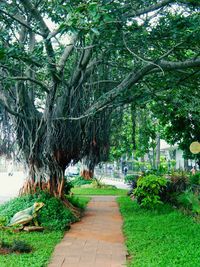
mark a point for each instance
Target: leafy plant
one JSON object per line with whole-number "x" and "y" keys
{"x": 190, "y": 201}
{"x": 68, "y": 186}
{"x": 179, "y": 181}
{"x": 4, "y": 244}
{"x": 79, "y": 202}
{"x": 16, "y": 246}
{"x": 131, "y": 178}
{"x": 3, "y": 221}
{"x": 148, "y": 190}
{"x": 21, "y": 246}
{"x": 195, "y": 178}
{"x": 79, "y": 181}
{"x": 54, "y": 214}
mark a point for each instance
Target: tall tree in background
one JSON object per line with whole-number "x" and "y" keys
{"x": 61, "y": 86}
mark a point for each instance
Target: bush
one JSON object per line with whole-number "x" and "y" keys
{"x": 132, "y": 181}
{"x": 68, "y": 186}
{"x": 195, "y": 179}
{"x": 129, "y": 179}
{"x": 79, "y": 181}
{"x": 54, "y": 215}
{"x": 148, "y": 190}
{"x": 179, "y": 181}
{"x": 189, "y": 201}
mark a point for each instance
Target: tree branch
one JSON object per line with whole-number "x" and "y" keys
{"x": 31, "y": 80}
{"x": 4, "y": 103}
{"x": 67, "y": 51}
{"x": 20, "y": 21}
{"x": 151, "y": 8}
{"x": 45, "y": 32}
{"x": 133, "y": 78}
{"x": 169, "y": 65}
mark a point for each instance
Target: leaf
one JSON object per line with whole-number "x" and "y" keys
{"x": 2, "y": 53}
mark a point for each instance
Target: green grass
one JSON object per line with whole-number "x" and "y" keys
{"x": 160, "y": 238}
{"x": 99, "y": 191}
{"x": 43, "y": 243}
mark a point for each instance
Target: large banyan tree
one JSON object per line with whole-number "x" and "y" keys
{"x": 66, "y": 66}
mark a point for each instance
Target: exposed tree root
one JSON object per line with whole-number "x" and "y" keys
{"x": 30, "y": 187}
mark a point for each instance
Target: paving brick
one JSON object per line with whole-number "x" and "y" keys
{"x": 95, "y": 241}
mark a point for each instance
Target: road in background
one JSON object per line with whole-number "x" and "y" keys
{"x": 118, "y": 184}
{"x": 10, "y": 185}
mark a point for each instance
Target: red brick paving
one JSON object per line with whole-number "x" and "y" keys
{"x": 95, "y": 241}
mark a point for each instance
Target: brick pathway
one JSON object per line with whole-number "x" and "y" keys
{"x": 95, "y": 241}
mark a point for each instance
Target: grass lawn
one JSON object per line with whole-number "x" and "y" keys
{"x": 99, "y": 191}
{"x": 43, "y": 244}
{"x": 162, "y": 238}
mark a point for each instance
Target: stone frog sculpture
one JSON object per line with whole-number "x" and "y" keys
{"x": 27, "y": 216}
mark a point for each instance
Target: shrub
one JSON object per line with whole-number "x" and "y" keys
{"x": 54, "y": 215}
{"x": 131, "y": 178}
{"x": 68, "y": 186}
{"x": 189, "y": 201}
{"x": 79, "y": 202}
{"x": 179, "y": 181}
{"x": 79, "y": 181}
{"x": 195, "y": 179}
{"x": 132, "y": 181}
{"x": 148, "y": 190}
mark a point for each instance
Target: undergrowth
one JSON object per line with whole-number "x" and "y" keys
{"x": 54, "y": 215}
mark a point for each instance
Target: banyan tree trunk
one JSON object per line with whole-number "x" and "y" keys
{"x": 54, "y": 184}
{"x": 87, "y": 174}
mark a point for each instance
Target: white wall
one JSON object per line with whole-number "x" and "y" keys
{"x": 179, "y": 159}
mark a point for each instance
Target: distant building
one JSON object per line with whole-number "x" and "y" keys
{"x": 174, "y": 153}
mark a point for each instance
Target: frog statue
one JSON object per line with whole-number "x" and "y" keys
{"x": 26, "y": 216}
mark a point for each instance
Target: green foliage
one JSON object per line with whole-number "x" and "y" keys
{"x": 79, "y": 202}
{"x": 54, "y": 214}
{"x": 162, "y": 237}
{"x": 42, "y": 244}
{"x": 3, "y": 220}
{"x": 130, "y": 178}
{"x": 4, "y": 244}
{"x": 195, "y": 179}
{"x": 96, "y": 183}
{"x": 148, "y": 190}
{"x": 20, "y": 246}
{"x": 190, "y": 201}
{"x": 179, "y": 181}
{"x": 68, "y": 186}
{"x": 79, "y": 181}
